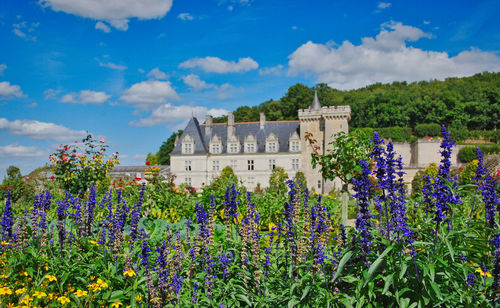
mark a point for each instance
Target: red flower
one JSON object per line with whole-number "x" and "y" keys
{"x": 51, "y": 177}
{"x": 147, "y": 163}
{"x": 258, "y": 189}
{"x": 120, "y": 185}
{"x": 76, "y": 141}
{"x": 202, "y": 183}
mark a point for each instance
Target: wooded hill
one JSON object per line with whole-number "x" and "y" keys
{"x": 467, "y": 103}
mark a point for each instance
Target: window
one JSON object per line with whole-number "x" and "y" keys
{"x": 272, "y": 164}
{"x": 250, "y": 164}
{"x": 187, "y": 181}
{"x": 215, "y": 165}
{"x": 319, "y": 184}
{"x": 215, "y": 148}
{"x": 187, "y": 165}
{"x": 187, "y": 148}
{"x": 294, "y": 146}
{"x": 295, "y": 164}
{"x": 234, "y": 164}
{"x": 233, "y": 148}
{"x": 250, "y": 147}
{"x": 271, "y": 147}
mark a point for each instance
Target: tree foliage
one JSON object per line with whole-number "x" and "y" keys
{"x": 163, "y": 155}
{"x": 342, "y": 160}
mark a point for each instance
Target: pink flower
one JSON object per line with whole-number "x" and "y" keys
{"x": 76, "y": 141}
{"x": 102, "y": 140}
{"x": 79, "y": 155}
{"x": 429, "y": 138}
{"x": 101, "y": 151}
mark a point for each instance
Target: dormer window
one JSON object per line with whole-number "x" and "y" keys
{"x": 216, "y": 145}
{"x": 187, "y": 145}
{"x": 233, "y": 145}
{"x": 250, "y": 144}
{"x": 272, "y": 143}
{"x": 234, "y": 148}
{"x": 294, "y": 143}
{"x": 215, "y": 149}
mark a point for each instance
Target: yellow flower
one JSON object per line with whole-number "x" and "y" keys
{"x": 138, "y": 298}
{"x": 92, "y": 277}
{"x": 4, "y": 276}
{"x": 39, "y": 294}
{"x": 116, "y": 304}
{"x": 20, "y": 291}
{"x": 80, "y": 293}
{"x": 4, "y": 243}
{"x": 46, "y": 266}
{"x": 25, "y": 273}
{"x": 129, "y": 273}
{"x": 5, "y": 291}
{"x": 102, "y": 283}
{"x": 94, "y": 243}
{"x": 480, "y": 271}
{"x": 63, "y": 299}
{"x": 51, "y": 277}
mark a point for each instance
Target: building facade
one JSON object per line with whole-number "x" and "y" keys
{"x": 254, "y": 149}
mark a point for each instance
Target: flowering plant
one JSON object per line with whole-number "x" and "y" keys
{"x": 81, "y": 165}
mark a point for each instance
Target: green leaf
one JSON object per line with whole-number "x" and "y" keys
{"x": 244, "y": 298}
{"x": 376, "y": 264}
{"x": 388, "y": 282}
{"x": 305, "y": 292}
{"x": 342, "y": 262}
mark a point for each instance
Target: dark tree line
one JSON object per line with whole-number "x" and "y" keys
{"x": 472, "y": 103}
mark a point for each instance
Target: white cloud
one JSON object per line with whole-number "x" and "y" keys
{"x": 103, "y": 27}
{"x": 157, "y": 74}
{"x": 196, "y": 83}
{"x": 25, "y": 30}
{"x": 3, "y": 67}
{"x": 51, "y": 93}
{"x": 116, "y": 12}
{"x": 185, "y": 16}
{"x": 19, "y": 151}
{"x": 32, "y": 105}
{"x": 113, "y": 66}
{"x": 85, "y": 97}
{"x": 426, "y": 22}
{"x": 40, "y": 130}
{"x": 217, "y": 65}
{"x": 384, "y": 5}
{"x": 149, "y": 93}
{"x": 275, "y": 70}
{"x": 8, "y": 91}
{"x": 225, "y": 91}
{"x": 169, "y": 114}
{"x": 385, "y": 58}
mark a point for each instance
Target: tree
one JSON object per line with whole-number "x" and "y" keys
{"x": 163, "y": 155}
{"x": 277, "y": 180}
{"x": 342, "y": 160}
{"x": 152, "y": 158}
{"x": 13, "y": 172}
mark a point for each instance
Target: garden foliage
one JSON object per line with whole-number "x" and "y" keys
{"x": 91, "y": 250}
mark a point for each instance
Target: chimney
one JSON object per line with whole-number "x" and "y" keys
{"x": 208, "y": 124}
{"x": 262, "y": 120}
{"x": 230, "y": 124}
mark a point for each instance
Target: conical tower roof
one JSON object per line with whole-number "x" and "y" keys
{"x": 315, "y": 104}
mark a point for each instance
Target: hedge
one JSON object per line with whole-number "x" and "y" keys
{"x": 468, "y": 153}
{"x": 427, "y": 130}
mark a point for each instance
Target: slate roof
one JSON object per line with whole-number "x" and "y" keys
{"x": 282, "y": 129}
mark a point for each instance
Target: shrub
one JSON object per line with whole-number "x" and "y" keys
{"x": 396, "y": 133}
{"x": 427, "y": 130}
{"x": 468, "y": 153}
{"x": 461, "y": 134}
{"x": 79, "y": 166}
{"x": 417, "y": 183}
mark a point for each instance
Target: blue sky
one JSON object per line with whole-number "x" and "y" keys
{"x": 132, "y": 71}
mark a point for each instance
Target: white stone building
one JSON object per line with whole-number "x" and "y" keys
{"x": 253, "y": 149}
